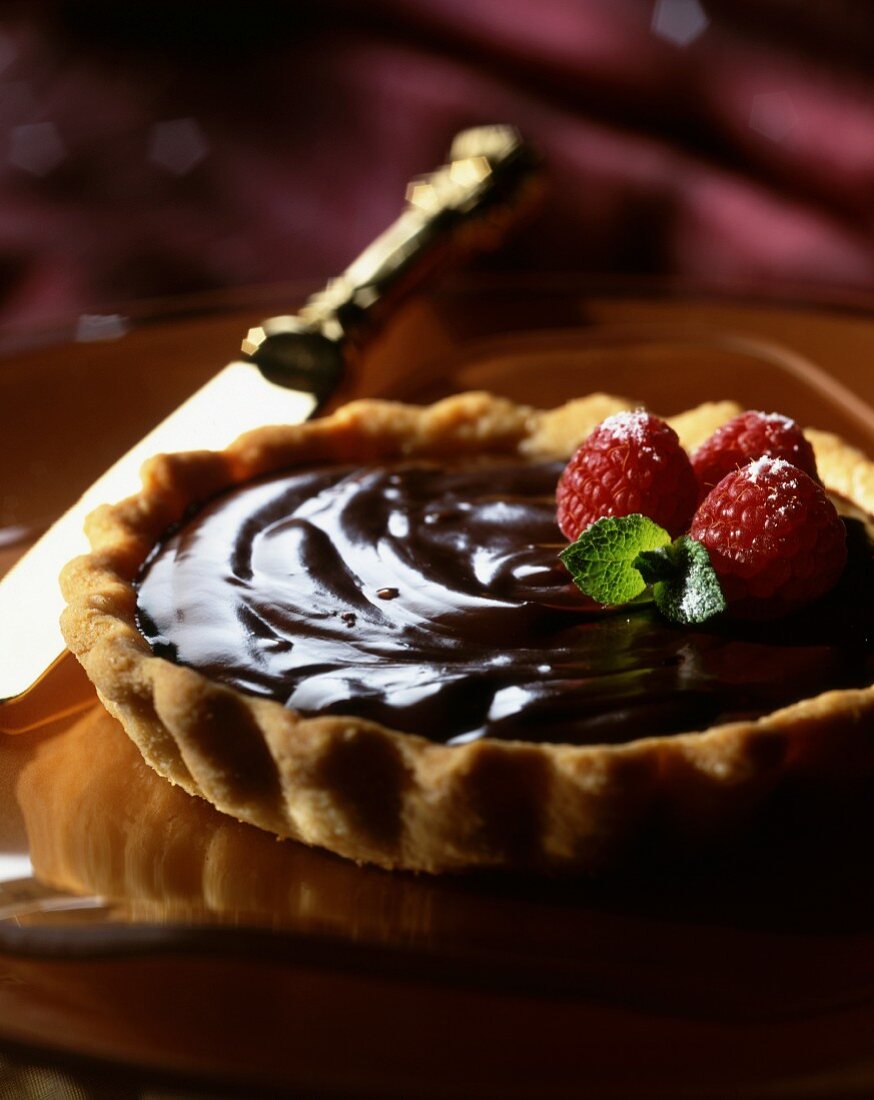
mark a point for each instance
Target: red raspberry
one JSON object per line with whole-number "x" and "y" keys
{"x": 749, "y": 436}
{"x": 632, "y": 462}
{"x": 774, "y": 538}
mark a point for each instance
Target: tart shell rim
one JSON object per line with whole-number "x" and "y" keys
{"x": 398, "y": 800}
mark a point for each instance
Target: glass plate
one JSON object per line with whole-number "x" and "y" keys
{"x": 138, "y": 926}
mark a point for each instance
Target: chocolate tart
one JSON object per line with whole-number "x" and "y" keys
{"x": 414, "y": 775}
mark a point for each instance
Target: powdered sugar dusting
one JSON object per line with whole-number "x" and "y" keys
{"x": 694, "y": 605}
{"x": 627, "y": 425}
{"x": 778, "y": 418}
{"x": 782, "y": 491}
{"x": 768, "y": 465}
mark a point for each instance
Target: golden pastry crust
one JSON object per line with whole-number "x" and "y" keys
{"x": 396, "y": 799}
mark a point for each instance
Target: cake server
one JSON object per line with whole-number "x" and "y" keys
{"x": 291, "y": 366}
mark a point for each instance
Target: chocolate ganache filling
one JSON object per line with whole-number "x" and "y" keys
{"x": 430, "y": 598}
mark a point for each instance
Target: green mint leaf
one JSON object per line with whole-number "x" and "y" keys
{"x": 657, "y": 565}
{"x": 602, "y": 559}
{"x": 692, "y": 595}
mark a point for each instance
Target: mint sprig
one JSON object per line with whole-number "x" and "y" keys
{"x": 619, "y": 557}
{"x": 602, "y": 559}
{"x": 684, "y": 584}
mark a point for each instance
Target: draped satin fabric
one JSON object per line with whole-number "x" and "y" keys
{"x": 158, "y": 151}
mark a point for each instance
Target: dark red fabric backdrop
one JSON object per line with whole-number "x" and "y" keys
{"x": 151, "y": 150}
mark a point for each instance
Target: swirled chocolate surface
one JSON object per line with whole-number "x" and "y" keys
{"x": 430, "y": 598}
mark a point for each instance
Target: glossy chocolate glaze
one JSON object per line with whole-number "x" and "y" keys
{"x": 430, "y": 598}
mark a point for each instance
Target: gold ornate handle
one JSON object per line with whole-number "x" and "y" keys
{"x": 464, "y": 205}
